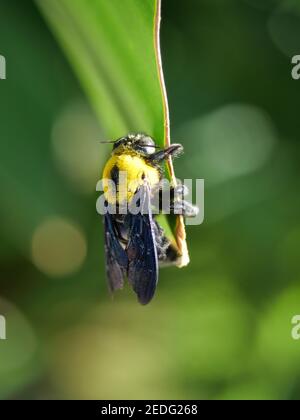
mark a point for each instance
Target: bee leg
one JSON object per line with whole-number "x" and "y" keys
{"x": 175, "y": 204}
{"x": 174, "y": 150}
{"x": 161, "y": 241}
{"x": 184, "y": 208}
{"x": 166, "y": 253}
{"x": 180, "y": 206}
{"x": 180, "y": 191}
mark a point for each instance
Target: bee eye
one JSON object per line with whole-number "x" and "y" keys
{"x": 147, "y": 145}
{"x": 149, "y": 150}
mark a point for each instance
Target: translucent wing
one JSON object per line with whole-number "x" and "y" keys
{"x": 141, "y": 250}
{"x": 116, "y": 258}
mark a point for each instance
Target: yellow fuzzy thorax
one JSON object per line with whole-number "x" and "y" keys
{"x": 137, "y": 171}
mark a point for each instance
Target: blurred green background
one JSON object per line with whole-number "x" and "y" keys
{"x": 218, "y": 329}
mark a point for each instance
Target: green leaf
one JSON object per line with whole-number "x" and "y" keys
{"x": 113, "y": 46}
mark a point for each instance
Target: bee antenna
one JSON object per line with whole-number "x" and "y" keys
{"x": 107, "y": 142}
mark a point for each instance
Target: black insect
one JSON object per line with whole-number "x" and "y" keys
{"x": 135, "y": 243}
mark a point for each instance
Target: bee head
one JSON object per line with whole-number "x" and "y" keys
{"x": 140, "y": 143}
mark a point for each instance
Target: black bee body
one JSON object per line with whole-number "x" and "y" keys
{"x": 135, "y": 243}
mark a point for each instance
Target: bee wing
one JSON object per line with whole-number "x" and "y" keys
{"x": 116, "y": 258}
{"x": 141, "y": 250}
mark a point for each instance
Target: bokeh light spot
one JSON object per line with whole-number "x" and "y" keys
{"x": 116, "y": 351}
{"x": 18, "y": 351}
{"x": 284, "y": 28}
{"x": 275, "y": 346}
{"x": 58, "y": 247}
{"x": 232, "y": 141}
{"x": 77, "y": 150}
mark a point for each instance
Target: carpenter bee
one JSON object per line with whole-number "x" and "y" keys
{"x": 135, "y": 243}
